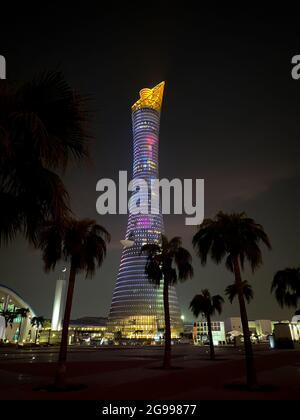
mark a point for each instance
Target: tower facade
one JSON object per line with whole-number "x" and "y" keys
{"x": 137, "y": 305}
{"x": 58, "y": 303}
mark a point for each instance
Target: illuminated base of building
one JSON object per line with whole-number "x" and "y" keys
{"x": 143, "y": 327}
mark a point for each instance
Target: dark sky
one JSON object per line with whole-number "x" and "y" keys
{"x": 230, "y": 115}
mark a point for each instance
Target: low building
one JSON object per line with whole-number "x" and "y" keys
{"x": 188, "y": 330}
{"x": 200, "y": 332}
{"x": 264, "y": 327}
{"x": 86, "y": 330}
{"x": 233, "y": 324}
{"x": 18, "y": 328}
{"x": 260, "y": 328}
{"x": 296, "y": 319}
{"x": 295, "y": 328}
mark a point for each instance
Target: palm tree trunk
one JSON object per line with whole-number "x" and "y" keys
{"x": 60, "y": 379}
{"x": 37, "y": 334}
{"x": 167, "y": 353}
{"x": 210, "y": 336}
{"x": 250, "y": 367}
{"x": 19, "y": 335}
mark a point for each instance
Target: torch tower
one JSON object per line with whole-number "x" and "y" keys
{"x": 137, "y": 305}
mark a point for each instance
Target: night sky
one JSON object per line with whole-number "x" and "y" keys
{"x": 230, "y": 115}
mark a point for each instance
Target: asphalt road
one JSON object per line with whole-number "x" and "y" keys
{"x": 82, "y": 353}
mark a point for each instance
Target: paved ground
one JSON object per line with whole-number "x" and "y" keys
{"x": 124, "y": 373}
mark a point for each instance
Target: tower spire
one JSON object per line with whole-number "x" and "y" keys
{"x": 151, "y": 98}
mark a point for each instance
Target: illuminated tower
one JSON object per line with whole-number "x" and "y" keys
{"x": 137, "y": 306}
{"x": 59, "y": 301}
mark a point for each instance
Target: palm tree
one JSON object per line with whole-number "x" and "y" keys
{"x": 235, "y": 237}
{"x": 42, "y": 129}
{"x": 232, "y": 291}
{"x": 38, "y": 322}
{"x": 9, "y": 317}
{"x": 83, "y": 244}
{"x": 22, "y": 313}
{"x": 286, "y": 286}
{"x": 207, "y": 305}
{"x": 167, "y": 263}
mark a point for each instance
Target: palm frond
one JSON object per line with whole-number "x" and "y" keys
{"x": 55, "y": 119}
{"x": 230, "y": 236}
{"x": 43, "y": 127}
{"x": 168, "y": 261}
{"x": 232, "y": 291}
{"x": 206, "y": 304}
{"x": 286, "y": 286}
{"x": 150, "y": 249}
{"x": 10, "y": 218}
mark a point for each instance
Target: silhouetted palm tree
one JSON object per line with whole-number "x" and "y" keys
{"x": 235, "y": 237}
{"x": 22, "y": 313}
{"x": 286, "y": 286}
{"x": 167, "y": 263}
{"x": 207, "y": 305}
{"x": 83, "y": 244}
{"x": 232, "y": 291}
{"x": 9, "y": 317}
{"x": 42, "y": 129}
{"x": 38, "y": 322}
